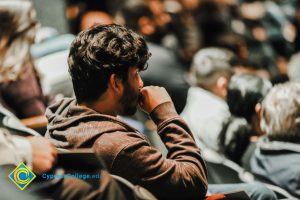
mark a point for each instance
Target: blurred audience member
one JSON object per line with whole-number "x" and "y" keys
{"x": 277, "y": 156}
{"x": 245, "y": 92}
{"x": 235, "y": 43}
{"x": 238, "y": 45}
{"x": 206, "y": 109}
{"x": 76, "y": 9}
{"x": 146, "y": 17}
{"x": 269, "y": 34}
{"x": 20, "y": 90}
{"x": 214, "y": 19}
{"x": 188, "y": 37}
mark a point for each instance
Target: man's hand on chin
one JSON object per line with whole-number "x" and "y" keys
{"x": 151, "y": 97}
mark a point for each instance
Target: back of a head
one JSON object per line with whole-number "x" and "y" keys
{"x": 209, "y": 64}
{"x": 17, "y": 22}
{"x": 98, "y": 52}
{"x": 281, "y": 113}
{"x": 131, "y": 11}
{"x": 234, "y": 42}
{"x": 244, "y": 92}
{"x": 14, "y": 15}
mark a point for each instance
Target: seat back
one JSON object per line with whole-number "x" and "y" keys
{"x": 55, "y": 78}
{"x": 219, "y": 173}
{"x": 221, "y": 170}
{"x": 280, "y": 192}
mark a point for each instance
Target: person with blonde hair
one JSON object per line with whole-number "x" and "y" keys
{"x": 20, "y": 90}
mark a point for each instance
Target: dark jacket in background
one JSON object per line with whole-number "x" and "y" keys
{"x": 127, "y": 153}
{"x": 166, "y": 71}
{"x": 279, "y": 163}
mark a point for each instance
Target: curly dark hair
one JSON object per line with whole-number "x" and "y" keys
{"x": 100, "y": 51}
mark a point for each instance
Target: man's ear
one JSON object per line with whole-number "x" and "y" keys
{"x": 146, "y": 26}
{"x": 258, "y": 111}
{"x": 116, "y": 84}
{"x": 222, "y": 85}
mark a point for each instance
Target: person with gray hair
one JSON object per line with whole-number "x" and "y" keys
{"x": 277, "y": 155}
{"x": 206, "y": 109}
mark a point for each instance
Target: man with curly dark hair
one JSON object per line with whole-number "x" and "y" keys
{"x": 104, "y": 65}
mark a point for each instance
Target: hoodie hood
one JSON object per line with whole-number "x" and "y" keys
{"x": 277, "y": 162}
{"x": 266, "y": 146}
{"x": 71, "y": 125}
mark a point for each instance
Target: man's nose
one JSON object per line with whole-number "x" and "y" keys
{"x": 141, "y": 83}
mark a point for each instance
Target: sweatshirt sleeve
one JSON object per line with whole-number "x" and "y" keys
{"x": 14, "y": 149}
{"x": 182, "y": 175}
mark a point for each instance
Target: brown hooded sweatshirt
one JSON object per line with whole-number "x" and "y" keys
{"x": 127, "y": 153}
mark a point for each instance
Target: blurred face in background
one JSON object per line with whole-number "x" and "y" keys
{"x": 95, "y": 17}
{"x": 161, "y": 21}
{"x": 189, "y": 5}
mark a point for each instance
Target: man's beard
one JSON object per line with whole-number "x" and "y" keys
{"x": 129, "y": 100}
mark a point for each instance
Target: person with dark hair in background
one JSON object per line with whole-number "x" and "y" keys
{"x": 104, "y": 64}
{"x": 245, "y": 92}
